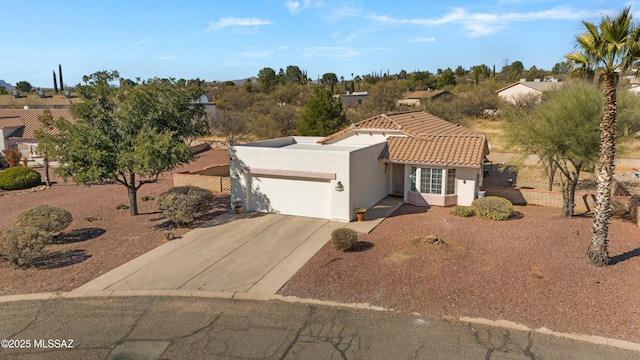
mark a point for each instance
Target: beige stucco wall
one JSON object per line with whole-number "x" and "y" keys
{"x": 518, "y": 91}
{"x": 284, "y": 158}
{"x": 368, "y": 179}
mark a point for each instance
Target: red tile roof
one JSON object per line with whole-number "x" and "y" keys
{"x": 414, "y": 123}
{"x": 28, "y": 120}
{"x": 431, "y": 140}
{"x": 436, "y": 149}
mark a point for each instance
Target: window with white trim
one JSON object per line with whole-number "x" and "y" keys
{"x": 432, "y": 180}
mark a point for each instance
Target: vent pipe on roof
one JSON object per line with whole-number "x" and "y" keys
{"x": 26, "y": 107}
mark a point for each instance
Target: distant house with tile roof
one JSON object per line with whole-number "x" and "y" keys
{"x": 17, "y": 127}
{"x": 415, "y": 98}
{"x": 522, "y": 89}
{"x": 414, "y": 155}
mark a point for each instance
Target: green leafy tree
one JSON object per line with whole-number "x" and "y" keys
{"x": 515, "y": 71}
{"x": 606, "y": 48}
{"x": 329, "y": 79}
{"x": 46, "y": 139}
{"x": 3, "y": 90}
{"x": 447, "y": 77}
{"x": 128, "y": 134}
{"x": 24, "y": 86}
{"x": 230, "y": 120}
{"x": 322, "y": 115}
{"x": 563, "y": 132}
{"x": 267, "y": 79}
{"x": 293, "y": 74}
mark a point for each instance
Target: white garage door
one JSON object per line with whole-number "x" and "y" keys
{"x": 289, "y": 196}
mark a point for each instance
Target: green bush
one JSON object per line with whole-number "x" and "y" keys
{"x": 183, "y": 204}
{"x": 464, "y": 211}
{"x": 344, "y": 239}
{"x": 47, "y": 218}
{"x": 19, "y": 177}
{"x": 22, "y": 246}
{"x": 493, "y": 207}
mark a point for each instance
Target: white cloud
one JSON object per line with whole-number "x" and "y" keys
{"x": 331, "y": 51}
{"x": 295, "y": 7}
{"x": 483, "y": 24}
{"x": 421, "y": 40}
{"x": 142, "y": 42}
{"x": 236, "y": 22}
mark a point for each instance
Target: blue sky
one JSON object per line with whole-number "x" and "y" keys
{"x": 228, "y": 40}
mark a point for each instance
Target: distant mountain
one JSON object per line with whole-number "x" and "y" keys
{"x": 6, "y": 85}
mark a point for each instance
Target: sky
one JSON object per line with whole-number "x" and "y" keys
{"x": 230, "y": 40}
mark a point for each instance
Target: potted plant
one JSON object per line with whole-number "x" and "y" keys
{"x": 237, "y": 204}
{"x": 360, "y": 213}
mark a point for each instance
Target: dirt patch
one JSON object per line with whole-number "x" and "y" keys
{"x": 100, "y": 238}
{"x": 532, "y": 271}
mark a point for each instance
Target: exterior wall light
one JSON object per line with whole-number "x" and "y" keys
{"x": 339, "y": 186}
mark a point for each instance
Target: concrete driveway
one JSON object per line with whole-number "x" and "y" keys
{"x": 247, "y": 253}
{"x": 250, "y": 253}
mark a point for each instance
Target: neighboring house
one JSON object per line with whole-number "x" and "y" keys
{"x": 522, "y": 89}
{"x": 17, "y": 128}
{"x": 209, "y": 106}
{"x": 415, "y": 98}
{"x": 355, "y": 98}
{"x": 635, "y": 89}
{"x": 413, "y": 155}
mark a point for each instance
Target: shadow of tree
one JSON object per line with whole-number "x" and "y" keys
{"x": 61, "y": 259}
{"x": 77, "y": 235}
{"x": 517, "y": 215}
{"x": 624, "y": 256}
{"x": 362, "y": 246}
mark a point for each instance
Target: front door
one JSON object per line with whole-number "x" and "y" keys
{"x": 397, "y": 181}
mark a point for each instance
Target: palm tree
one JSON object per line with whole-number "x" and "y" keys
{"x": 607, "y": 49}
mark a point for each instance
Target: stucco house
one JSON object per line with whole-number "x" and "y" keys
{"x": 413, "y": 155}
{"x": 519, "y": 90}
{"x": 17, "y": 127}
{"x": 415, "y": 98}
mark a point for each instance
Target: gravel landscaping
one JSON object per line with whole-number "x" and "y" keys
{"x": 101, "y": 237}
{"x": 531, "y": 270}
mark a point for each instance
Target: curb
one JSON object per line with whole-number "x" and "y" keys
{"x": 228, "y": 295}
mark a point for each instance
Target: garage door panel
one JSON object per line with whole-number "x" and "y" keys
{"x": 301, "y": 197}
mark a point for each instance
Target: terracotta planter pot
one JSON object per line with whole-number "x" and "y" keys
{"x": 238, "y": 209}
{"x": 360, "y": 217}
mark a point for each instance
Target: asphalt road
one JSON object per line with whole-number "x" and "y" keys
{"x": 205, "y": 328}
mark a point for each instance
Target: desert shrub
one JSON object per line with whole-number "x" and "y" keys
{"x": 183, "y": 204}
{"x": 12, "y": 156}
{"x": 122, "y": 207}
{"x": 493, "y": 207}
{"x": 19, "y": 177}
{"x": 22, "y": 246}
{"x": 147, "y": 198}
{"x": 464, "y": 211}
{"x": 344, "y": 239}
{"x": 47, "y": 218}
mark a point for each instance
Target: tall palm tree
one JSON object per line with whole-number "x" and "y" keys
{"x": 607, "y": 49}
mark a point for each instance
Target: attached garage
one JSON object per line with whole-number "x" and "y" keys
{"x": 291, "y": 192}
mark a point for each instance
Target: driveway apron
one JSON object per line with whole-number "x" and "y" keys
{"x": 249, "y": 253}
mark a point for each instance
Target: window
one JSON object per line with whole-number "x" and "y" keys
{"x": 431, "y": 181}
{"x": 451, "y": 181}
{"x": 413, "y": 178}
